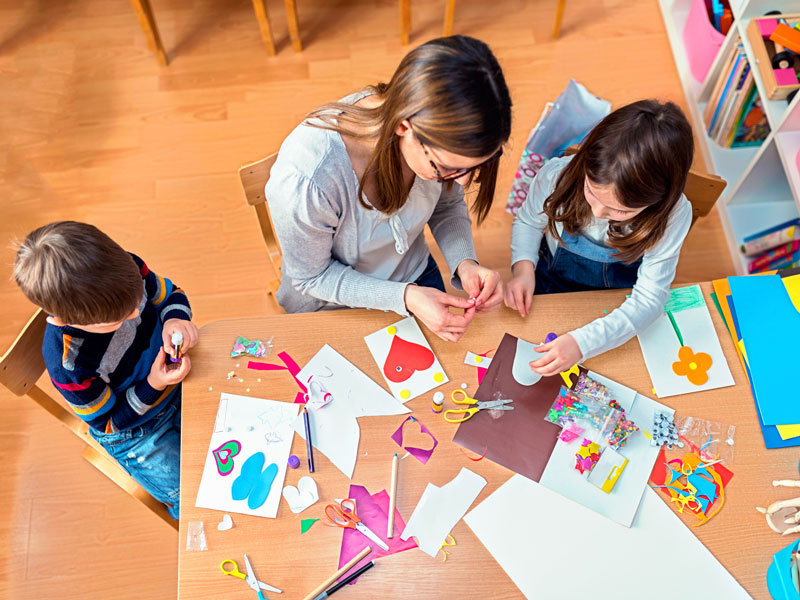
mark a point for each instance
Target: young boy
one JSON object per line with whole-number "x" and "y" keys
{"x": 106, "y": 344}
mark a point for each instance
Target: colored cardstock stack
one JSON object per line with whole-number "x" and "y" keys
{"x": 761, "y": 313}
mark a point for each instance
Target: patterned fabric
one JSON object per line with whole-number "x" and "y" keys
{"x": 103, "y": 376}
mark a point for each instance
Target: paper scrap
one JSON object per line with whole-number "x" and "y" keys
{"x": 301, "y": 497}
{"x": 421, "y": 454}
{"x": 226, "y": 523}
{"x": 440, "y": 508}
{"x": 334, "y": 428}
{"x": 521, "y": 369}
{"x": 305, "y": 524}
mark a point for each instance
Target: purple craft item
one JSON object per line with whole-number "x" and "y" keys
{"x": 420, "y": 454}
{"x": 372, "y": 511}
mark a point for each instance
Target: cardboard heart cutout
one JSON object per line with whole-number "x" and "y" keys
{"x": 301, "y": 497}
{"x": 406, "y": 358}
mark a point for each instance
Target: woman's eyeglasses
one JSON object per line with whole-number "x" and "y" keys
{"x": 457, "y": 173}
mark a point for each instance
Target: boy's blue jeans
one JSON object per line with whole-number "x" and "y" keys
{"x": 151, "y": 454}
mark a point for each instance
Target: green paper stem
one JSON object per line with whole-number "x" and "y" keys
{"x": 305, "y": 524}
{"x": 675, "y": 327}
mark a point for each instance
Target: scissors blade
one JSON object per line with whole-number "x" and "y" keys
{"x": 269, "y": 588}
{"x": 250, "y": 579}
{"x": 371, "y": 535}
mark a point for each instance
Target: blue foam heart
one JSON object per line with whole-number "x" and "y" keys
{"x": 262, "y": 487}
{"x": 248, "y": 477}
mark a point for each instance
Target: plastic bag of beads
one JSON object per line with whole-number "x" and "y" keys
{"x": 255, "y": 348}
{"x": 598, "y": 419}
{"x": 714, "y": 439}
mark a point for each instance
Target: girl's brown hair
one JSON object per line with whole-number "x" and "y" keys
{"x": 77, "y": 273}
{"x": 644, "y": 150}
{"x": 453, "y": 93}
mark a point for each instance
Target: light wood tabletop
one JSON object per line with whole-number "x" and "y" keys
{"x": 738, "y": 536}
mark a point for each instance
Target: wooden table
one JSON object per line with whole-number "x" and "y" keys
{"x": 738, "y": 536}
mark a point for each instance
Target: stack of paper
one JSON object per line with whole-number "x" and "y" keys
{"x": 761, "y": 313}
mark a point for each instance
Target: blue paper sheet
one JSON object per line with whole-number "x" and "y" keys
{"x": 770, "y": 328}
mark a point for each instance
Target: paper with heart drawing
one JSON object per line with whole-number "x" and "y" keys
{"x": 244, "y": 427}
{"x": 334, "y": 427}
{"x": 301, "y": 497}
{"x": 406, "y": 359}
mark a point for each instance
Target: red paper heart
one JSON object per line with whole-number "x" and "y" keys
{"x": 406, "y": 358}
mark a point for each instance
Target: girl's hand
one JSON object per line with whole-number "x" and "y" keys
{"x": 519, "y": 291}
{"x": 186, "y": 328}
{"x": 562, "y": 353}
{"x": 482, "y": 284}
{"x": 432, "y": 307}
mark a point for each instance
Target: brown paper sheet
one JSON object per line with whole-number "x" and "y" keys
{"x": 520, "y": 440}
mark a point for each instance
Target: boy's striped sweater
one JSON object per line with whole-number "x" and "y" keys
{"x": 103, "y": 376}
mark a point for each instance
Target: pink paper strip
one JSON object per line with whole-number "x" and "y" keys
{"x": 372, "y": 511}
{"x": 419, "y": 453}
{"x": 291, "y": 366}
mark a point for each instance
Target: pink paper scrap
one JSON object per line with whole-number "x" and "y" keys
{"x": 420, "y": 454}
{"x": 289, "y": 365}
{"x": 372, "y": 510}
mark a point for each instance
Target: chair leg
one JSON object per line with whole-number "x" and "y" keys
{"x": 148, "y": 23}
{"x": 405, "y": 21}
{"x": 559, "y": 15}
{"x": 260, "y": 6}
{"x": 115, "y": 473}
{"x": 294, "y": 27}
{"x": 449, "y": 15}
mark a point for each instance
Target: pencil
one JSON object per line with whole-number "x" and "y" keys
{"x": 345, "y": 581}
{"x": 324, "y": 585}
{"x": 392, "y": 499}
{"x": 309, "y": 448}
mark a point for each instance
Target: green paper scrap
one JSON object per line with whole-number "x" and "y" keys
{"x": 305, "y": 524}
{"x": 719, "y": 309}
{"x": 675, "y": 327}
{"x": 684, "y": 298}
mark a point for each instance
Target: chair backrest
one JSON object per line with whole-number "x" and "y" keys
{"x": 702, "y": 191}
{"x": 22, "y": 366}
{"x": 254, "y": 177}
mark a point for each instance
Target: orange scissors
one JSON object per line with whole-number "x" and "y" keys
{"x": 475, "y": 406}
{"x": 343, "y": 514}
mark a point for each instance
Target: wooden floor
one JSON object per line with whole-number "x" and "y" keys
{"x": 91, "y": 128}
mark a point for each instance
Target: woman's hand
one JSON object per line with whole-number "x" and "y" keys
{"x": 432, "y": 307}
{"x": 519, "y": 291}
{"x": 482, "y": 284}
{"x": 562, "y": 353}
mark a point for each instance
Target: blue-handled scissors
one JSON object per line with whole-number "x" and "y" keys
{"x": 249, "y": 577}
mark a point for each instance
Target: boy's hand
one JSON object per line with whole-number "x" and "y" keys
{"x": 519, "y": 291}
{"x": 160, "y": 377}
{"x": 482, "y": 284}
{"x": 562, "y": 353}
{"x": 432, "y": 307}
{"x": 186, "y": 328}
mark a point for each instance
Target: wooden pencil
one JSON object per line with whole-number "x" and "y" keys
{"x": 325, "y": 584}
{"x": 392, "y": 499}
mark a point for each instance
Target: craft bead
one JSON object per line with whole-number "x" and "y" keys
{"x": 294, "y": 462}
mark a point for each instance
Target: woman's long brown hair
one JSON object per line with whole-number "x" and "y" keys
{"x": 644, "y": 150}
{"x": 453, "y": 92}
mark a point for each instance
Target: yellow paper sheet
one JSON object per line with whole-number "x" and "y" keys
{"x": 793, "y": 289}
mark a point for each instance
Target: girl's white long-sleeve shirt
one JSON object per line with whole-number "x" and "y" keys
{"x": 654, "y": 277}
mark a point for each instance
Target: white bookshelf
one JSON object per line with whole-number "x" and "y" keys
{"x": 763, "y": 182}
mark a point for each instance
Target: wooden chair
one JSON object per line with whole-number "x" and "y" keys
{"x": 20, "y": 369}
{"x": 254, "y": 177}
{"x": 144, "y": 12}
{"x": 702, "y": 190}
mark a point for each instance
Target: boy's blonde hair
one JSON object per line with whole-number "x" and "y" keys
{"x": 77, "y": 273}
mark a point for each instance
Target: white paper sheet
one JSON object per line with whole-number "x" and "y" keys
{"x": 260, "y": 426}
{"x": 660, "y": 347}
{"x": 476, "y": 360}
{"x": 621, "y": 503}
{"x": 440, "y": 508}
{"x": 537, "y": 537}
{"x": 334, "y": 427}
{"x": 406, "y": 377}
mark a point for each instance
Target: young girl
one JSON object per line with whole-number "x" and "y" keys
{"x": 356, "y": 183}
{"x": 612, "y": 216}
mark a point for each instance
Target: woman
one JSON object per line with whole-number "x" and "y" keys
{"x": 355, "y": 184}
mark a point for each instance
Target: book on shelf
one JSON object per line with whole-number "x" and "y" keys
{"x": 734, "y": 116}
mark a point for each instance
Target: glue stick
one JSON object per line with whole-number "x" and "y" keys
{"x": 438, "y": 402}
